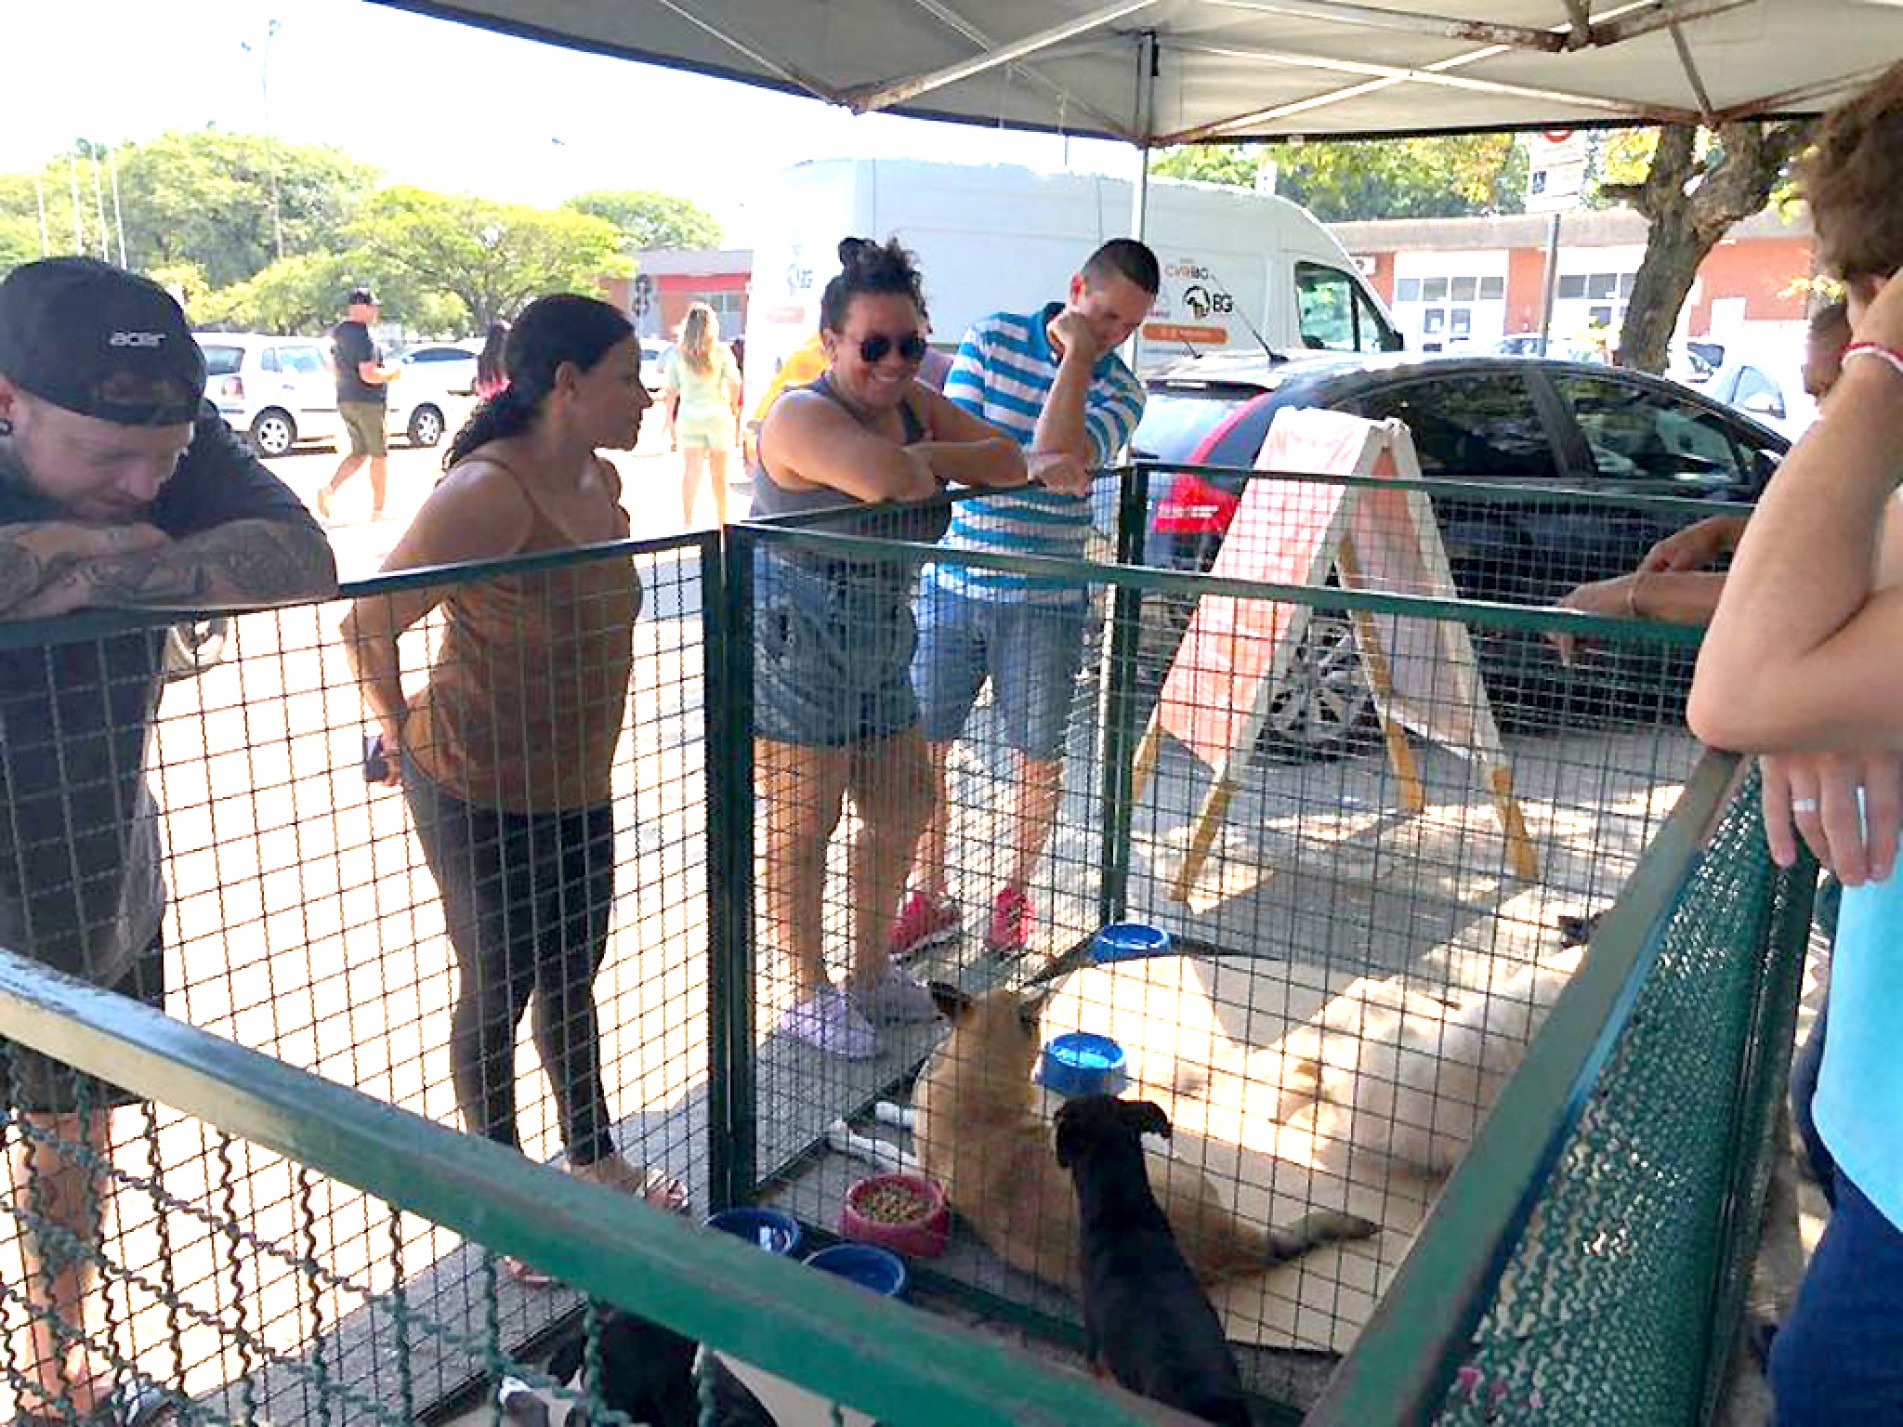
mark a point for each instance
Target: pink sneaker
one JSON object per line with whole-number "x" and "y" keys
{"x": 1012, "y": 921}
{"x": 924, "y": 922}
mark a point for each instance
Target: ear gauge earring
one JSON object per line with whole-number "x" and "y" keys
{"x": 6, "y": 425}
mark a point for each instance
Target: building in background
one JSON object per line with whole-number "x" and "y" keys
{"x": 1458, "y": 284}
{"x": 667, "y": 280}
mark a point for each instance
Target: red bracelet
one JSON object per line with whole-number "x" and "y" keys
{"x": 1889, "y": 356}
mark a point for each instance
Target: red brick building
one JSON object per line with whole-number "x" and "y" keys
{"x": 1466, "y": 282}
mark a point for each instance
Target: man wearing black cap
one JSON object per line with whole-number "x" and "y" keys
{"x": 363, "y": 401}
{"x": 119, "y": 487}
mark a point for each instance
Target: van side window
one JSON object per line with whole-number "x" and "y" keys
{"x": 1335, "y": 315}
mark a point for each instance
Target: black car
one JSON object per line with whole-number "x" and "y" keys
{"x": 1559, "y": 426}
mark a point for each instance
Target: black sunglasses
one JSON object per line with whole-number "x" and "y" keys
{"x": 873, "y": 349}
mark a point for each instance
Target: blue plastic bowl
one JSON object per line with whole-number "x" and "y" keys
{"x": 1079, "y": 1063}
{"x": 1127, "y": 941}
{"x": 867, "y": 1265}
{"x": 769, "y": 1229}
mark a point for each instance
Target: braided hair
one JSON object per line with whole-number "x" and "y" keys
{"x": 562, "y": 328}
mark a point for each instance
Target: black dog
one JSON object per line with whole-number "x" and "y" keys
{"x": 1146, "y": 1318}
{"x": 647, "y": 1372}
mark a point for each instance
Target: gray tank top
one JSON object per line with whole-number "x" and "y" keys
{"x": 923, "y": 523}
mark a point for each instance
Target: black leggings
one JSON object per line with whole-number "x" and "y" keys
{"x": 527, "y": 898}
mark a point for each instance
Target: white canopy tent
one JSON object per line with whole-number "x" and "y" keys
{"x": 1157, "y": 72}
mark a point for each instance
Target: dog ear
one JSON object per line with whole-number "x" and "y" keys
{"x": 951, "y": 1001}
{"x": 1070, "y": 1136}
{"x": 1031, "y": 1007}
{"x": 1146, "y": 1117}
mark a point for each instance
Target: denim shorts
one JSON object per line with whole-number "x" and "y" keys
{"x": 832, "y": 649}
{"x": 1030, "y": 652}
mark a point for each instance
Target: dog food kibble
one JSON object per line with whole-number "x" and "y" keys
{"x": 891, "y": 1204}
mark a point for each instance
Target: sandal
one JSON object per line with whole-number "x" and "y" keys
{"x": 661, "y": 1190}
{"x": 524, "y": 1274}
{"x": 828, "y": 1021}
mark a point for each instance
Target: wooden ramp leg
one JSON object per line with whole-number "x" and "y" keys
{"x": 1520, "y": 852}
{"x": 1203, "y": 835}
{"x": 1374, "y": 661}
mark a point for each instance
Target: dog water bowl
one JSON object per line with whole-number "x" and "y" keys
{"x": 1128, "y": 941}
{"x": 771, "y": 1230}
{"x": 906, "y": 1213}
{"x": 867, "y": 1265}
{"x": 1080, "y": 1063}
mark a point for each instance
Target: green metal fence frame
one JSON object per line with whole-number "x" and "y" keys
{"x": 869, "y": 1353}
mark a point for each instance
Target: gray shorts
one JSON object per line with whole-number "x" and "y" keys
{"x": 832, "y": 649}
{"x": 1030, "y": 652}
{"x": 39, "y": 1083}
{"x": 367, "y": 423}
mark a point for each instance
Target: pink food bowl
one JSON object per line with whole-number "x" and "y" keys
{"x": 902, "y": 1212}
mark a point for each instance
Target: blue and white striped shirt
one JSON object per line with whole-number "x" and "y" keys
{"x": 1003, "y": 373}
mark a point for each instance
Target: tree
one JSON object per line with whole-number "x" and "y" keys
{"x": 1693, "y": 190}
{"x": 490, "y": 257}
{"x": 1374, "y": 178}
{"x": 19, "y": 242}
{"x": 217, "y": 200}
{"x": 647, "y": 219}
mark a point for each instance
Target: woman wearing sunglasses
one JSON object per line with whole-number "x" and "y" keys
{"x": 833, "y": 635}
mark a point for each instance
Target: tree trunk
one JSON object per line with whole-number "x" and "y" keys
{"x": 1733, "y": 182}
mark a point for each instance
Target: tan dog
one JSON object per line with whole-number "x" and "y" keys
{"x": 978, "y": 1135}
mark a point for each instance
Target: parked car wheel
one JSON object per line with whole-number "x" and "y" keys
{"x": 426, "y": 426}
{"x": 1323, "y": 708}
{"x": 273, "y": 432}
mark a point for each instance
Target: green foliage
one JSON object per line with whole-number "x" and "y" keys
{"x": 202, "y": 212}
{"x": 19, "y": 242}
{"x": 300, "y": 296}
{"x": 492, "y": 258}
{"x": 207, "y": 198}
{"x": 647, "y": 219}
{"x": 1378, "y": 178}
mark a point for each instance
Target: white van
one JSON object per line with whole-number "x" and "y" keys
{"x": 1241, "y": 270}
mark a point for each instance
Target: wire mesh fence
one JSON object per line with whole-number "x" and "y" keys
{"x": 516, "y": 940}
{"x": 848, "y": 844}
{"x": 1377, "y": 819}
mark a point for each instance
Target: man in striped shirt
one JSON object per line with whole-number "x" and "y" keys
{"x": 1052, "y": 379}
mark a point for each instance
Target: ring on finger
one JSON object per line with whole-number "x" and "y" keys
{"x": 1803, "y": 805}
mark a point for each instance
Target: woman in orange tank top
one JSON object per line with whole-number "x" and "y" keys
{"x": 506, "y": 755}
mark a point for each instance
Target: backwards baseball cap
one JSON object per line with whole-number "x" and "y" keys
{"x": 99, "y": 341}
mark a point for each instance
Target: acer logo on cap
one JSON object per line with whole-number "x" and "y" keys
{"x": 136, "y": 339}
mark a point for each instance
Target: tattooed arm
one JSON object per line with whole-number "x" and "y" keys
{"x": 56, "y": 567}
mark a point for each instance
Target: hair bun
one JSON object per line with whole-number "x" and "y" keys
{"x": 856, "y": 252}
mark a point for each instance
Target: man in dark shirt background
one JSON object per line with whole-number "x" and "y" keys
{"x": 119, "y": 487}
{"x": 363, "y": 401}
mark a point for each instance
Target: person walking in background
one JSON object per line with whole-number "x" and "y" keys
{"x": 491, "y": 376}
{"x": 833, "y": 637}
{"x": 1800, "y": 667}
{"x": 1053, "y": 380}
{"x": 700, "y": 384}
{"x": 120, "y": 487}
{"x": 363, "y": 402}
{"x": 506, "y": 757}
